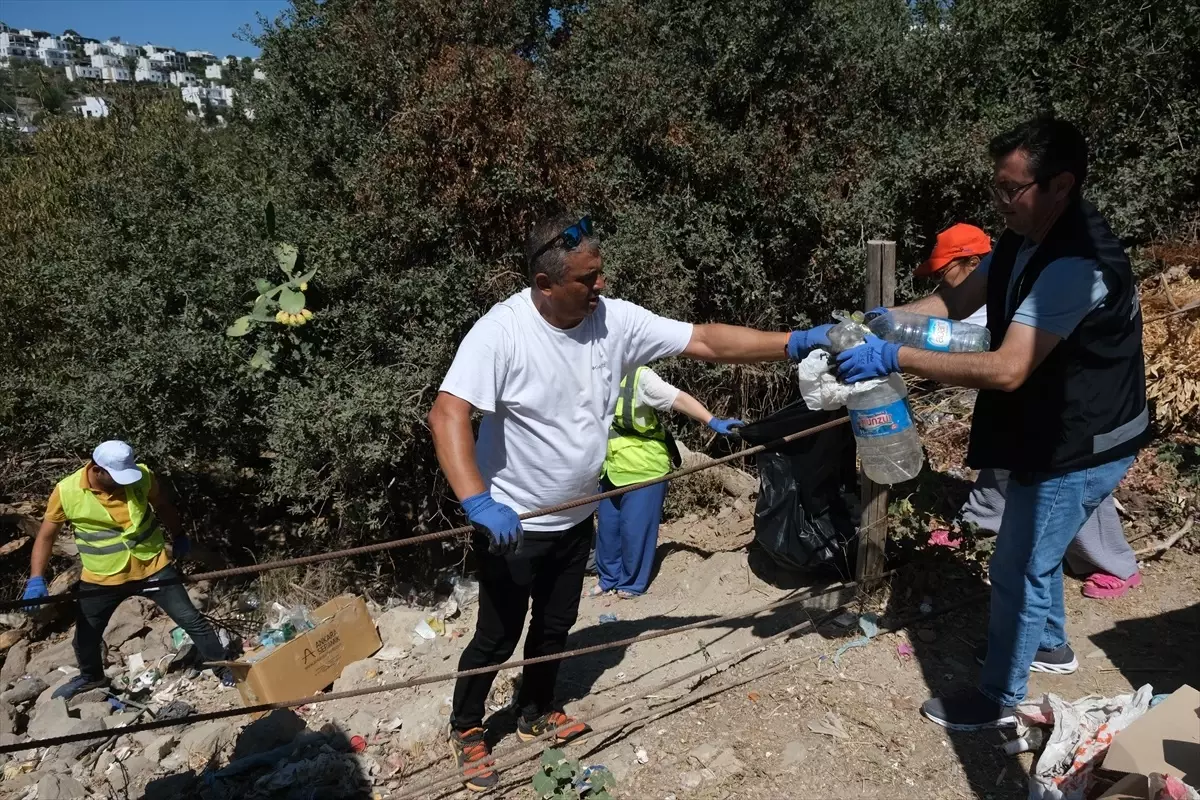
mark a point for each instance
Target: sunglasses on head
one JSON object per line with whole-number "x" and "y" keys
{"x": 569, "y": 237}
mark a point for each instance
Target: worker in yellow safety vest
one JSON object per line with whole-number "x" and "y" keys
{"x": 119, "y": 513}
{"x": 640, "y": 448}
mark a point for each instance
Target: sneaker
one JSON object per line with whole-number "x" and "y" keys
{"x": 1060, "y": 661}
{"x": 565, "y": 728}
{"x": 1102, "y": 586}
{"x": 225, "y": 675}
{"x": 968, "y": 710}
{"x": 78, "y": 685}
{"x": 474, "y": 758}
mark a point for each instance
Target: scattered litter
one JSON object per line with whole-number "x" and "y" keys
{"x": 605, "y": 618}
{"x": 869, "y": 625}
{"x": 425, "y": 630}
{"x": 904, "y": 650}
{"x": 754, "y": 697}
{"x": 1082, "y": 733}
{"x": 357, "y": 743}
{"x": 176, "y": 709}
{"x": 436, "y": 625}
{"x": 830, "y": 725}
{"x": 393, "y": 726}
{"x": 247, "y": 602}
{"x": 926, "y": 608}
{"x": 941, "y": 538}
{"x": 115, "y": 704}
{"x": 1168, "y": 787}
{"x": 641, "y": 755}
{"x": 179, "y": 637}
{"x": 391, "y": 653}
{"x": 466, "y": 591}
{"x": 846, "y": 620}
{"x": 447, "y": 609}
{"x": 1026, "y": 742}
{"x": 136, "y": 664}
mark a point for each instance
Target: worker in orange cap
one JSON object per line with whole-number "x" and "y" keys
{"x": 957, "y": 253}
{"x": 1100, "y": 551}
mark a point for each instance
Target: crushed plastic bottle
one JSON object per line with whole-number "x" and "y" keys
{"x": 850, "y": 331}
{"x": 888, "y": 445}
{"x": 929, "y": 333}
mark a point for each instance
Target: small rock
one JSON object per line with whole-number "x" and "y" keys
{"x": 396, "y": 626}
{"x": 202, "y": 742}
{"x": 51, "y": 719}
{"x": 93, "y": 710}
{"x": 128, "y": 621}
{"x": 23, "y": 691}
{"x": 51, "y": 658}
{"x": 159, "y": 747}
{"x": 91, "y": 696}
{"x": 362, "y": 723}
{"x": 705, "y": 753}
{"x": 56, "y": 680}
{"x": 70, "y": 753}
{"x": 120, "y": 719}
{"x": 15, "y": 661}
{"x": 357, "y": 675}
{"x": 1097, "y": 653}
{"x": 927, "y": 635}
{"x": 60, "y": 787}
{"x": 794, "y": 754}
{"x": 103, "y": 762}
{"x": 128, "y": 771}
{"x": 134, "y": 645}
{"x": 726, "y": 764}
{"x": 7, "y": 723}
{"x": 172, "y": 787}
{"x": 691, "y": 779}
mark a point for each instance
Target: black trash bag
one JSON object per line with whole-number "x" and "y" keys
{"x": 807, "y": 511}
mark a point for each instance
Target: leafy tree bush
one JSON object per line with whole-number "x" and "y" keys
{"x": 735, "y": 154}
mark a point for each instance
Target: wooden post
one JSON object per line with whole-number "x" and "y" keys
{"x": 872, "y": 532}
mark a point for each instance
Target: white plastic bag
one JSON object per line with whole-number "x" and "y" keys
{"x": 821, "y": 389}
{"x": 1083, "y": 730}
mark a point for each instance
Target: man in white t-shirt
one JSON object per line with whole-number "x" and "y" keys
{"x": 544, "y": 367}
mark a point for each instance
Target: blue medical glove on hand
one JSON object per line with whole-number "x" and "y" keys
{"x": 877, "y": 311}
{"x": 498, "y": 521}
{"x": 35, "y": 587}
{"x": 181, "y": 546}
{"x": 726, "y": 426}
{"x": 874, "y": 358}
{"x": 801, "y": 343}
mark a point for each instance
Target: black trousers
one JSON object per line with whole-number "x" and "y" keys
{"x": 94, "y": 613}
{"x": 549, "y": 570}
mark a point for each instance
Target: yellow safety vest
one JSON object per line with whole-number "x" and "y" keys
{"x": 639, "y": 446}
{"x": 104, "y": 548}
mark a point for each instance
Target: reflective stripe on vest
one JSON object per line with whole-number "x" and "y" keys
{"x": 103, "y": 548}
{"x": 637, "y": 449}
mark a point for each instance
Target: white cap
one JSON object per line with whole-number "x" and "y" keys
{"x": 116, "y": 458}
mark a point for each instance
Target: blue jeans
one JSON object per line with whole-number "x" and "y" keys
{"x": 1043, "y": 514}
{"x": 627, "y": 537}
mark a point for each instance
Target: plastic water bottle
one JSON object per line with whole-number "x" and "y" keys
{"x": 930, "y": 333}
{"x": 888, "y": 445}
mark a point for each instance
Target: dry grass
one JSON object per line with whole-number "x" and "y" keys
{"x": 1172, "y": 348}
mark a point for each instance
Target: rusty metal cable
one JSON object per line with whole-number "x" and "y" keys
{"x": 446, "y": 676}
{"x": 379, "y": 547}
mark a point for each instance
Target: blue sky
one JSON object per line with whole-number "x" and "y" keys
{"x": 182, "y": 24}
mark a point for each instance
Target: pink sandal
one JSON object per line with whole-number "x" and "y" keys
{"x": 1102, "y": 586}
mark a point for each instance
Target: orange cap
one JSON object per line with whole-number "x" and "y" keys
{"x": 958, "y": 241}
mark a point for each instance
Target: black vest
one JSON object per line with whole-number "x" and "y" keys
{"x": 1085, "y": 404}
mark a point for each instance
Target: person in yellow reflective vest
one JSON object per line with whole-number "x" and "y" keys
{"x": 119, "y": 514}
{"x": 640, "y": 448}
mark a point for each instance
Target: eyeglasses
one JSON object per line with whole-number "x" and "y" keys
{"x": 1006, "y": 197}
{"x": 570, "y": 237}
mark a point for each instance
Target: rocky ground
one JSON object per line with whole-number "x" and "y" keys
{"x": 816, "y": 729}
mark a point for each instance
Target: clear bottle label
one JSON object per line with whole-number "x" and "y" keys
{"x": 881, "y": 420}
{"x": 938, "y": 334}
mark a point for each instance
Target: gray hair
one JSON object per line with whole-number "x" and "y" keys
{"x": 552, "y": 261}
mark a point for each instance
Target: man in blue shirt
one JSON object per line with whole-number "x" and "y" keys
{"x": 1062, "y": 401}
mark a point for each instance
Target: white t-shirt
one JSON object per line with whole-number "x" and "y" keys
{"x": 549, "y": 395}
{"x": 653, "y": 391}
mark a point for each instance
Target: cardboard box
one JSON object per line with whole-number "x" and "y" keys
{"x": 1165, "y": 739}
{"x": 344, "y": 633}
{"x": 1131, "y": 787}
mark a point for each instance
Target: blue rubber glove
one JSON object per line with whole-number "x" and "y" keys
{"x": 877, "y": 311}
{"x": 801, "y": 343}
{"x": 498, "y": 521}
{"x": 35, "y": 587}
{"x": 726, "y": 426}
{"x": 181, "y": 546}
{"x": 874, "y": 358}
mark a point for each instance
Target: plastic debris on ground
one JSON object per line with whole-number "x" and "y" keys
{"x": 179, "y": 637}
{"x": 904, "y": 650}
{"x": 606, "y": 618}
{"x": 941, "y": 538}
{"x": 869, "y": 625}
{"x": 1083, "y": 731}
{"x": 425, "y": 630}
